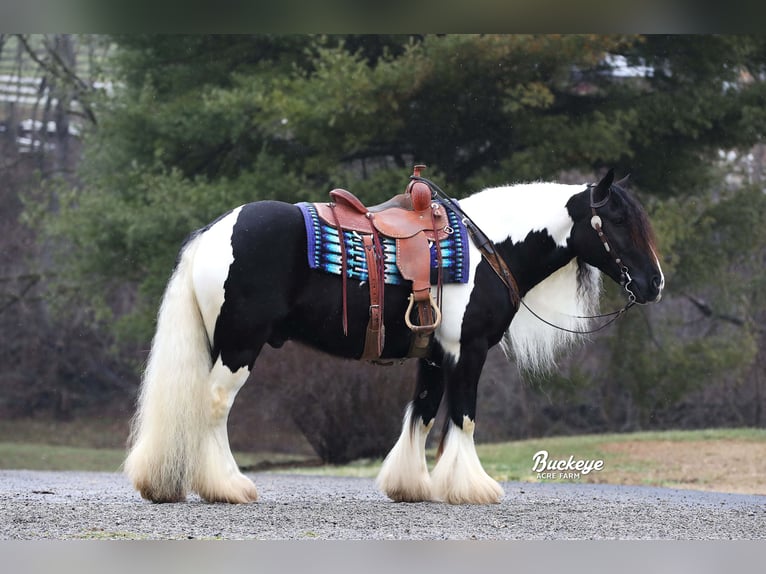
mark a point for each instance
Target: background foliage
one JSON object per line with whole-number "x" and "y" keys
{"x": 199, "y": 124}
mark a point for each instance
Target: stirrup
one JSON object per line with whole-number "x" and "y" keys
{"x": 423, "y": 328}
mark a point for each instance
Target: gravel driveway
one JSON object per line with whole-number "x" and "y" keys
{"x": 65, "y": 505}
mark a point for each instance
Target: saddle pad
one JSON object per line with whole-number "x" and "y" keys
{"x": 324, "y": 251}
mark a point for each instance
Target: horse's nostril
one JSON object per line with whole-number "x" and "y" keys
{"x": 656, "y": 281}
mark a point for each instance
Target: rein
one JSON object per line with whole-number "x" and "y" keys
{"x": 614, "y": 316}
{"x": 500, "y": 267}
{"x": 483, "y": 243}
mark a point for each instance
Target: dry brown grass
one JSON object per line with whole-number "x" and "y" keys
{"x": 737, "y": 466}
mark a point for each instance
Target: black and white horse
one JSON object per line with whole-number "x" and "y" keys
{"x": 243, "y": 282}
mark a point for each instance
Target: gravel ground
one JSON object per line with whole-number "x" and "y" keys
{"x": 79, "y": 505}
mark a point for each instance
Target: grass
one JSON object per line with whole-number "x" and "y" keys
{"x": 106, "y": 432}
{"x": 32, "y": 456}
{"x": 82, "y": 444}
{"x": 35, "y": 456}
{"x": 729, "y": 460}
{"x": 513, "y": 461}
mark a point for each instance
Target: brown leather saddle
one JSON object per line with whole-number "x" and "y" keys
{"x": 414, "y": 221}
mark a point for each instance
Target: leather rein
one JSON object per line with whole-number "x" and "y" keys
{"x": 489, "y": 251}
{"x": 483, "y": 243}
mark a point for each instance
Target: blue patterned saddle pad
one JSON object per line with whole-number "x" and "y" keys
{"x": 324, "y": 251}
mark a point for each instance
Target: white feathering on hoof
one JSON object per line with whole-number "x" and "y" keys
{"x": 458, "y": 477}
{"x": 404, "y": 474}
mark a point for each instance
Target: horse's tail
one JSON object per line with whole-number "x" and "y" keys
{"x": 169, "y": 423}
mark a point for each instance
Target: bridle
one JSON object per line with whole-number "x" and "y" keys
{"x": 596, "y": 224}
{"x": 625, "y": 278}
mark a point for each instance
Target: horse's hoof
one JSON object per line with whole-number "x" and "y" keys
{"x": 486, "y": 496}
{"x": 239, "y": 491}
{"x": 420, "y": 492}
{"x": 159, "y": 496}
{"x": 400, "y": 486}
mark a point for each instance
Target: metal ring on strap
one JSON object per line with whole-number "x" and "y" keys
{"x": 423, "y": 328}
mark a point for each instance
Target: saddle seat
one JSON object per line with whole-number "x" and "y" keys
{"x": 400, "y": 217}
{"x": 414, "y": 222}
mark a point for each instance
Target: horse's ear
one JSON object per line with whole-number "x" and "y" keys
{"x": 601, "y": 191}
{"x": 623, "y": 183}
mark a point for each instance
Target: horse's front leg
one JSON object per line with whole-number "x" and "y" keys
{"x": 404, "y": 474}
{"x": 458, "y": 477}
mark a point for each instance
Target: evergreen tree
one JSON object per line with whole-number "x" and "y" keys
{"x": 201, "y": 124}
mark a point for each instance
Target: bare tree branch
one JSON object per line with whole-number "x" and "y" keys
{"x": 61, "y": 70}
{"x": 708, "y": 311}
{"x": 31, "y": 280}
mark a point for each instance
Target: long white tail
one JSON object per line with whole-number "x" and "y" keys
{"x": 170, "y": 423}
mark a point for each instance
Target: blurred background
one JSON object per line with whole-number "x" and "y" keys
{"x": 114, "y": 148}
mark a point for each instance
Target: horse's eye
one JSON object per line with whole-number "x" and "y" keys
{"x": 619, "y": 220}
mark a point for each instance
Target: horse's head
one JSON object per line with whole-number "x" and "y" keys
{"x": 612, "y": 232}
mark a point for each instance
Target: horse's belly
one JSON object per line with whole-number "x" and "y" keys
{"x": 317, "y": 318}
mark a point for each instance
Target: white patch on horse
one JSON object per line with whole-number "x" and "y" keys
{"x": 455, "y": 297}
{"x": 212, "y": 260}
{"x": 503, "y": 212}
{"x": 514, "y": 211}
{"x": 662, "y": 276}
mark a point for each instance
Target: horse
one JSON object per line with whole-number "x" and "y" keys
{"x": 243, "y": 282}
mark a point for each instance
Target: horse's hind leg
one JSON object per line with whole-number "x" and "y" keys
{"x": 404, "y": 474}
{"x": 217, "y": 477}
{"x": 458, "y": 477}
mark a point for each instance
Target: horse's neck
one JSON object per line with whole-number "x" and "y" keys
{"x": 535, "y": 261}
{"x": 530, "y": 224}
{"x": 513, "y": 211}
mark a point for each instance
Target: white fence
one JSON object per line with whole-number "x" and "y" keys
{"x": 29, "y": 102}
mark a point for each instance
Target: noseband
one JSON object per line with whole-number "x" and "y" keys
{"x": 595, "y": 222}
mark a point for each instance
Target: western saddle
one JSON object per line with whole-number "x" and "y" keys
{"x": 414, "y": 221}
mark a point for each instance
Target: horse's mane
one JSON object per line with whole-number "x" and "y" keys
{"x": 641, "y": 230}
